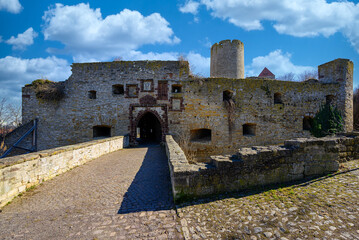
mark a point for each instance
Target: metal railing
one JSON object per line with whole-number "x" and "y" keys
{"x": 33, "y": 148}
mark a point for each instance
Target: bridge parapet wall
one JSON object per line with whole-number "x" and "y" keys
{"x": 24, "y": 171}
{"x": 258, "y": 166}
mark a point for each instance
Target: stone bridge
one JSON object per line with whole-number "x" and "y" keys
{"x": 122, "y": 195}
{"x": 126, "y": 194}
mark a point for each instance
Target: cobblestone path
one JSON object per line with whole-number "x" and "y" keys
{"x": 126, "y": 195}
{"x": 324, "y": 208}
{"x": 122, "y": 195}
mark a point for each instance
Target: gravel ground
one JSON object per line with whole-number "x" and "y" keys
{"x": 323, "y": 208}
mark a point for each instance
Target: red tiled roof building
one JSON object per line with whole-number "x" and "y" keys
{"x": 266, "y": 74}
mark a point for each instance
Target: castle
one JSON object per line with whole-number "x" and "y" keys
{"x": 150, "y": 99}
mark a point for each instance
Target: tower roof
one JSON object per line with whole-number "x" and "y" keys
{"x": 266, "y": 74}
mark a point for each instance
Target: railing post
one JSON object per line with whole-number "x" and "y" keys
{"x": 34, "y": 136}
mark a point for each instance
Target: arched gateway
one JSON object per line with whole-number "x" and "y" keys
{"x": 148, "y": 129}
{"x": 149, "y": 121}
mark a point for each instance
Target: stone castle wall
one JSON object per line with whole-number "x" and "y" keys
{"x": 211, "y": 115}
{"x": 254, "y": 100}
{"x": 72, "y": 119}
{"x": 257, "y": 166}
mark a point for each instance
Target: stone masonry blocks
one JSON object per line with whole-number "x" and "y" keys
{"x": 227, "y": 59}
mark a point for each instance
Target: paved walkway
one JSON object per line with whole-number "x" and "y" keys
{"x": 122, "y": 195}
{"x": 126, "y": 195}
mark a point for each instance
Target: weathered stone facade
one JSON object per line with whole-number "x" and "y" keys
{"x": 213, "y": 115}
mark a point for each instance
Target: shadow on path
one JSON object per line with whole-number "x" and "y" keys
{"x": 151, "y": 188}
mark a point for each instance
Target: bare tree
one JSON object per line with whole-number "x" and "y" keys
{"x": 287, "y": 77}
{"x": 4, "y": 116}
{"x": 118, "y": 59}
{"x": 15, "y": 115}
{"x": 10, "y": 116}
{"x": 308, "y": 75}
{"x": 300, "y": 77}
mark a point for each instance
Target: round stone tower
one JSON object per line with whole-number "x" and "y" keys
{"x": 227, "y": 59}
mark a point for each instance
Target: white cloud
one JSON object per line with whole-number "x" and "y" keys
{"x": 299, "y": 18}
{"x": 12, "y": 6}
{"x": 190, "y": 7}
{"x": 86, "y": 34}
{"x": 23, "y": 39}
{"x": 16, "y": 72}
{"x": 352, "y": 33}
{"x": 1, "y": 39}
{"x": 199, "y": 64}
{"x": 278, "y": 63}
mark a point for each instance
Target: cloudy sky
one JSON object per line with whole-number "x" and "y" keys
{"x": 41, "y": 39}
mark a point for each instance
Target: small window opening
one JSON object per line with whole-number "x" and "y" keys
{"x": 118, "y": 89}
{"x": 176, "y": 88}
{"x": 307, "y": 123}
{"x": 132, "y": 91}
{"x": 329, "y": 99}
{"x": 92, "y": 94}
{"x": 249, "y": 129}
{"x": 101, "y": 131}
{"x": 201, "y": 135}
{"x": 278, "y": 98}
{"x": 227, "y": 95}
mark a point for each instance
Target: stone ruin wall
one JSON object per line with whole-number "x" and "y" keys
{"x": 254, "y": 99}
{"x": 258, "y": 166}
{"x": 200, "y": 105}
{"x": 254, "y": 104}
{"x": 341, "y": 71}
{"x": 71, "y": 120}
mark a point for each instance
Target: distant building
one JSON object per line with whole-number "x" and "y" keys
{"x": 266, "y": 74}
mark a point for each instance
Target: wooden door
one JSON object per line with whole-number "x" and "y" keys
{"x": 162, "y": 90}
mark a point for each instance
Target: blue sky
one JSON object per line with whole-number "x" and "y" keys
{"x": 41, "y": 39}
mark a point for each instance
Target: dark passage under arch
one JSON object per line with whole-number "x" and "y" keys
{"x": 149, "y": 129}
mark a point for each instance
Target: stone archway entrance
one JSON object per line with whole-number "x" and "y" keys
{"x": 148, "y": 129}
{"x": 148, "y": 121}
